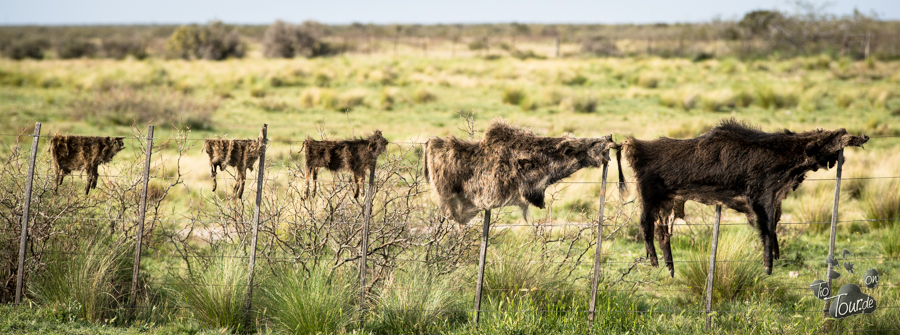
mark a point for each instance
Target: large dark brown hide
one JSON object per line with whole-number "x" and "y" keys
{"x": 508, "y": 167}
{"x": 239, "y": 154}
{"x": 357, "y": 155}
{"x": 82, "y": 153}
{"x": 734, "y": 165}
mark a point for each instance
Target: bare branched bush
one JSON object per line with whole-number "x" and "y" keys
{"x": 60, "y": 223}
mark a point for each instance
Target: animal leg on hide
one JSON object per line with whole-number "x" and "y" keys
{"x": 59, "y": 179}
{"x": 239, "y": 183}
{"x": 776, "y": 250}
{"x": 213, "y": 174}
{"x": 357, "y": 184}
{"x": 664, "y": 233}
{"x": 96, "y": 177}
{"x": 762, "y": 219}
{"x": 648, "y": 219}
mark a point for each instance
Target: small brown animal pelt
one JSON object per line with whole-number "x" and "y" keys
{"x": 82, "y": 153}
{"x": 357, "y": 155}
{"x": 240, "y": 154}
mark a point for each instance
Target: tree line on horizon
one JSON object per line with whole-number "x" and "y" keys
{"x": 760, "y": 33}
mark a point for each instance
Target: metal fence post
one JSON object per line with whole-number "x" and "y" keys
{"x": 596, "y": 280}
{"x": 712, "y": 266}
{"x": 141, "y": 215}
{"x": 482, "y": 254}
{"x": 834, "y": 216}
{"x": 259, "y": 191}
{"x": 364, "y": 243}
{"x": 23, "y": 241}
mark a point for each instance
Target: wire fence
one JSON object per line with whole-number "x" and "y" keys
{"x": 365, "y": 222}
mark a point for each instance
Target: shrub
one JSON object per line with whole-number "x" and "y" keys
{"x": 124, "y": 106}
{"x": 215, "y": 295}
{"x": 28, "y": 48}
{"x": 91, "y": 281}
{"x": 351, "y": 99}
{"x": 388, "y": 97}
{"x": 422, "y": 95}
{"x": 417, "y": 300}
{"x": 513, "y": 95}
{"x": 319, "y": 301}
{"x": 717, "y": 100}
{"x": 582, "y": 103}
{"x": 120, "y": 48}
{"x": 75, "y": 48}
{"x": 215, "y": 41}
{"x": 285, "y": 40}
{"x": 600, "y": 46}
{"x": 736, "y": 279}
{"x": 649, "y": 79}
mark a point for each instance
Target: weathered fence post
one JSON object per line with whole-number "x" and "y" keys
{"x": 482, "y": 254}
{"x": 364, "y": 244}
{"x": 596, "y": 279}
{"x": 259, "y": 191}
{"x": 23, "y": 242}
{"x": 142, "y": 213}
{"x": 712, "y": 266}
{"x": 834, "y": 216}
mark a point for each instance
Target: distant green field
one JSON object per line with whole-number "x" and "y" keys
{"x": 412, "y": 98}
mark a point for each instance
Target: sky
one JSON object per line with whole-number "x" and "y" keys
{"x": 67, "y": 12}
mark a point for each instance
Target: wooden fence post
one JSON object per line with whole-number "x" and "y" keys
{"x": 712, "y": 266}
{"x": 482, "y": 254}
{"x": 23, "y": 241}
{"x": 596, "y": 279}
{"x": 364, "y": 244}
{"x": 141, "y": 215}
{"x": 259, "y": 191}
{"x": 834, "y": 216}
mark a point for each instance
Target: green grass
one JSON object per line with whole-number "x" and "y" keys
{"x": 739, "y": 273}
{"x": 317, "y": 301}
{"x": 417, "y": 300}
{"x": 89, "y": 284}
{"x": 215, "y": 295}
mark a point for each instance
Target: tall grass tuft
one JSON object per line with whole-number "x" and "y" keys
{"x": 215, "y": 295}
{"x": 882, "y": 204}
{"x": 90, "y": 282}
{"x": 423, "y": 96}
{"x": 513, "y": 95}
{"x": 816, "y": 209}
{"x": 319, "y": 301}
{"x": 738, "y": 278}
{"x": 517, "y": 272}
{"x": 890, "y": 244}
{"x": 417, "y": 300}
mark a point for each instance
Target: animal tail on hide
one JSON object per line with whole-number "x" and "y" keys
{"x": 623, "y": 191}
{"x": 425, "y": 158}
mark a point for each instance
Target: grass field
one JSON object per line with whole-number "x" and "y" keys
{"x": 537, "y": 282}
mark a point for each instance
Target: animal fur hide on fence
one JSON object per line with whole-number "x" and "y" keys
{"x": 82, "y": 153}
{"x": 239, "y": 154}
